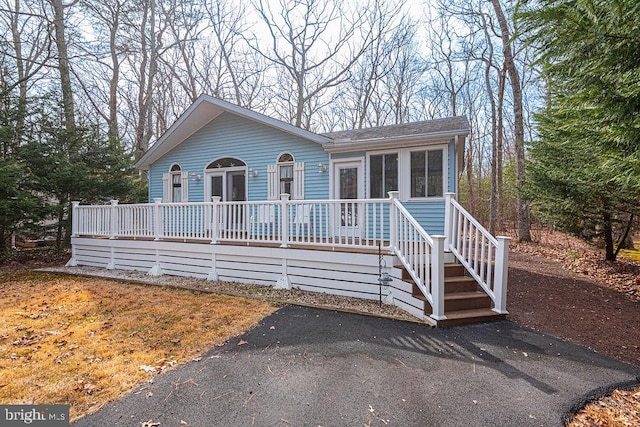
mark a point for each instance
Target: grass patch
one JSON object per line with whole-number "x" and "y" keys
{"x": 632, "y": 254}
{"x": 82, "y": 341}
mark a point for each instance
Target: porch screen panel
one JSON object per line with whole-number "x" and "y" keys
{"x": 435, "y": 170}
{"x": 418, "y": 174}
{"x": 383, "y": 175}
{"x": 427, "y": 173}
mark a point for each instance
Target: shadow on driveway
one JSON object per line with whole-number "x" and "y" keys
{"x": 309, "y": 367}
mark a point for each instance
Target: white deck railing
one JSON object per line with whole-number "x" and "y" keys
{"x": 357, "y": 223}
{"x": 484, "y": 256}
{"x": 346, "y": 223}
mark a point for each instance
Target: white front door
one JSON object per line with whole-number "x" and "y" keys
{"x": 348, "y": 186}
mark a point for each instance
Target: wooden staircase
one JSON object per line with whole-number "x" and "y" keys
{"x": 464, "y": 300}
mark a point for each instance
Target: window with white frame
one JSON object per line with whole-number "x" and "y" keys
{"x": 285, "y": 172}
{"x": 427, "y": 173}
{"x": 286, "y": 176}
{"x": 383, "y": 174}
{"x": 174, "y": 185}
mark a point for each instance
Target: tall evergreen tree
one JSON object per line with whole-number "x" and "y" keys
{"x": 585, "y": 173}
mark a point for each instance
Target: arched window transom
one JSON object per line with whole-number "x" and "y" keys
{"x": 226, "y": 162}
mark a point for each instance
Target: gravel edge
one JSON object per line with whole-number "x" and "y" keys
{"x": 267, "y": 293}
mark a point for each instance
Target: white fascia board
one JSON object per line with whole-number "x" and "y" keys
{"x": 201, "y": 112}
{"x": 393, "y": 142}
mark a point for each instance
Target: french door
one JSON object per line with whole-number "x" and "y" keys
{"x": 230, "y": 186}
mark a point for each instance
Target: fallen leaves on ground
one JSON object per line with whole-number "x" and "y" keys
{"x": 587, "y": 260}
{"x": 622, "y": 408}
{"x": 83, "y": 342}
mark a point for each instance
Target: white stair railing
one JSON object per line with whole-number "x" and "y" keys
{"x": 421, "y": 254}
{"x": 485, "y": 257}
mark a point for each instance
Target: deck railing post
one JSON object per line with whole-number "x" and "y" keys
{"x": 215, "y": 220}
{"x": 74, "y": 218}
{"x": 157, "y": 219}
{"x": 284, "y": 229}
{"x": 437, "y": 279}
{"x": 501, "y": 275}
{"x": 448, "y": 220}
{"x": 393, "y": 220}
{"x": 113, "y": 212}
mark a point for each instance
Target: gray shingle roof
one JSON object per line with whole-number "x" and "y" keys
{"x": 449, "y": 124}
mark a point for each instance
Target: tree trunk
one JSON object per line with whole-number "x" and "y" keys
{"x": 623, "y": 232}
{"x": 524, "y": 233}
{"x": 113, "y": 84}
{"x": 609, "y": 252}
{"x": 499, "y": 154}
{"x": 63, "y": 66}
{"x": 148, "y": 69}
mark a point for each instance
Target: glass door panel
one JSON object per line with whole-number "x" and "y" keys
{"x": 348, "y": 189}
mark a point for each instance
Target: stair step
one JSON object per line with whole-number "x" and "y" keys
{"x": 466, "y": 301}
{"x": 452, "y": 285}
{"x": 452, "y": 270}
{"x": 470, "y": 316}
{"x": 459, "y": 284}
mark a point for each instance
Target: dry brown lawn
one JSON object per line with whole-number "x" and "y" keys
{"x": 84, "y": 342}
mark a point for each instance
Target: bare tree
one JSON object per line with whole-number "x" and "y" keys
{"x": 23, "y": 57}
{"x": 63, "y": 65}
{"x": 523, "y": 231}
{"x": 30, "y": 46}
{"x": 314, "y": 43}
{"x": 184, "y": 26}
{"x": 106, "y": 16}
{"x": 146, "y": 31}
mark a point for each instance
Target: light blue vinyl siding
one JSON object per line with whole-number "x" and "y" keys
{"x": 429, "y": 214}
{"x": 256, "y": 144}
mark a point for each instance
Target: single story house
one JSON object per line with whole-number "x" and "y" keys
{"x": 329, "y": 212}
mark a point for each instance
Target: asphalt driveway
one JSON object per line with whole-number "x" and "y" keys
{"x": 309, "y": 367}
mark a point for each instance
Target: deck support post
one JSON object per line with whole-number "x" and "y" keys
{"x": 113, "y": 213}
{"x": 213, "y": 273}
{"x": 157, "y": 221}
{"x": 215, "y": 221}
{"x": 393, "y": 221}
{"x": 283, "y": 282}
{"x": 501, "y": 275}
{"x": 284, "y": 229}
{"x": 437, "y": 278}
{"x": 448, "y": 220}
{"x": 156, "y": 270}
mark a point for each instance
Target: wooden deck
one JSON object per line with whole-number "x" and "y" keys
{"x": 346, "y": 271}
